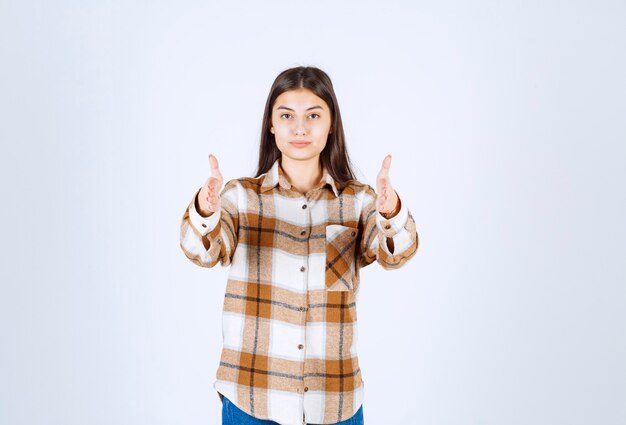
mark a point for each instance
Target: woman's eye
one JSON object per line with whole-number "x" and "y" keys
{"x": 288, "y": 115}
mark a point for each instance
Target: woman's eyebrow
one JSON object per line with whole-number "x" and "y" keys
{"x": 308, "y": 109}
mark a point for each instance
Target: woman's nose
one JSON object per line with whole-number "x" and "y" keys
{"x": 300, "y": 127}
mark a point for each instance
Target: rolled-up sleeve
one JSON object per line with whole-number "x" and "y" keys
{"x": 207, "y": 240}
{"x": 378, "y": 233}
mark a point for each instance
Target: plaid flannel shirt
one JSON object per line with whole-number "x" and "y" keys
{"x": 289, "y": 318}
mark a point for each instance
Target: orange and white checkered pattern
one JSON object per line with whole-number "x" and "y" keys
{"x": 289, "y": 322}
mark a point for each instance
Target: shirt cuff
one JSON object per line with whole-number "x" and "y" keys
{"x": 203, "y": 225}
{"x": 391, "y": 226}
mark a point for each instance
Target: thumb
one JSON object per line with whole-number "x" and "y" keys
{"x": 215, "y": 166}
{"x": 384, "y": 169}
{"x": 387, "y": 162}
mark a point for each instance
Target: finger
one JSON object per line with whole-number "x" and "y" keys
{"x": 214, "y": 183}
{"x": 213, "y": 162}
{"x": 215, "y": 166}
{"x": 381, "y": 179}
{"x": 384, "y": 169}
{"x": 387, "y": 162}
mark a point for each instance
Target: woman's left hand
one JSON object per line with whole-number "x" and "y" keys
{"x": 387, "y": 197}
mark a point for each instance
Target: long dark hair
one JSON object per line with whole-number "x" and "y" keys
{"x": 334, "y": 156}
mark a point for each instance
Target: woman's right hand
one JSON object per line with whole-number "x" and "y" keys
{"x": 209, "y": 196}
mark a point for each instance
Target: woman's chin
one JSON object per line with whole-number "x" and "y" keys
{"x": 300, "y": 155}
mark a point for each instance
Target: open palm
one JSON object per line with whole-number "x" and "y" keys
{"x": 209, "y": 196}
{"x": 386, "y": 196}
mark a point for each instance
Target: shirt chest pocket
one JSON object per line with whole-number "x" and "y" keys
{"x": 340, "y": 257}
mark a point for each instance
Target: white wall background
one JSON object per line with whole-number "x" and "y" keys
{"x": 507, "y": 125}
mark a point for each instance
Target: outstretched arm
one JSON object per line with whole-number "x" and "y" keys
{"x": 208, "y": 230}
{"x": 389, "y": 235}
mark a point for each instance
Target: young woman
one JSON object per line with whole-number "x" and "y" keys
{"x": 295, "y": 237}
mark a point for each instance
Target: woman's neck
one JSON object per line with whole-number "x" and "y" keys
{"x": 302, "y": 174}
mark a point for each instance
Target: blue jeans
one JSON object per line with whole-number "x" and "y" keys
{"x": 232, "y": 415}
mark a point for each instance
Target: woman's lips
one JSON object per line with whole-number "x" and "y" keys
{"x": 300, "y": 144}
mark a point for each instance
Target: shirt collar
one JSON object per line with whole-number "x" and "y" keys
{"x": 276, "y": 175}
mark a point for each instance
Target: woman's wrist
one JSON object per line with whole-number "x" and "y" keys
{"x": 396, "y": 209}
{"x": 203, "y": 213}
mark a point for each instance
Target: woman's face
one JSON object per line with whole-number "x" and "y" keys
{"x": 300, "y": 123}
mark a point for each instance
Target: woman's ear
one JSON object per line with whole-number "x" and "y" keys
{"x": 272, "y": 130}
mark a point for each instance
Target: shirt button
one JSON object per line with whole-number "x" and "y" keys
{"x": 300, "y": 346}
{"x": 203, "y": 225}
{"x": 304, "y": 207}
{"x": 301, "y": 308}
{"x": 302, "y": 268}
{"x": 388, "y": 226}
{"x": 219, "y": 241}
{"x": 303, "y": 232}
{"x": 353, "y": 233}
{"x": 306, "y": 389}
